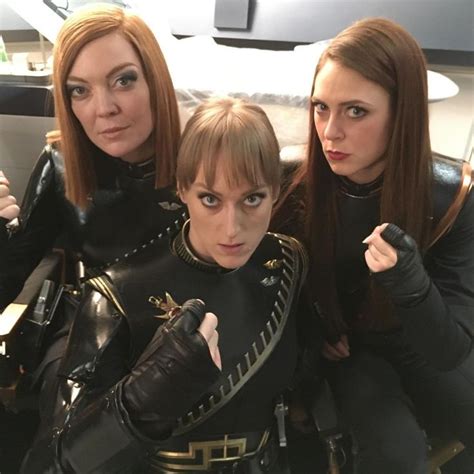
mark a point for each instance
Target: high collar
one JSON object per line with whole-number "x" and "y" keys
{"x": 142, "y": 170}
{"x": 182, "y": 248}
{"x": 360, "y": 191}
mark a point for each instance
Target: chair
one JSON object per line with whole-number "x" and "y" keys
{"x": 23, "y": 324}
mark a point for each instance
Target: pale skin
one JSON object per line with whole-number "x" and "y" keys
{"x": 208, "y": 331}
{"x": 352, "y": 118}
{"x": 110, "y": 98}
{"x": 227, "y": 223}
{"x": 8, "y": 207}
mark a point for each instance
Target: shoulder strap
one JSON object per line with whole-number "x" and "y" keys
{"x": 451, "y": 214}
{"x": 292, "y": 266}
{"x": 105, "y": 287}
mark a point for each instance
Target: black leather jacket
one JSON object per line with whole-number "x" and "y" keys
{"x": 125, "y": 213}
{"x": 441, "y": 327}
{"x": 256, "y": 306}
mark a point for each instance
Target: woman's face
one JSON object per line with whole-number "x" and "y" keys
{"x": 352, "y": 116}
{"x": 111, "y": 99}
{"x": 227, "y": 224}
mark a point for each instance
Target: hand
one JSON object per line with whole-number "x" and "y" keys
{"x": 339, "y": 350}
{"x": 402, "y": 275}
{"x": 174, "y": 370}
{"x": 8, "y": 207}
{"x": 380, "y": 255}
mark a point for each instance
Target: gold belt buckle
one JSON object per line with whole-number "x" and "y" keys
{"x": 205, "y": 454}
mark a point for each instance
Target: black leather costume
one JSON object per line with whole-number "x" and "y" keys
{"x": 229, "y": 429}
{"x": 125, "y": 212}
{"x": 413, "y": 370}
{"x": 443, "y": 327}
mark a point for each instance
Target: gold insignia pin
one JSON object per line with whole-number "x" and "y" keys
{"x": 273, "y": 264}
{"x": 170, "y": 206}
{"x": 169, "y": 306}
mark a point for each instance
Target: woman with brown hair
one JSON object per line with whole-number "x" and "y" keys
{"x": 112, "y": 160}
{"x": 396, "y": 300}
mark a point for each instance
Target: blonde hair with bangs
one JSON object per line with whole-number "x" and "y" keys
{"x": 84, "y": 26}
{"x": 235, "y": 133}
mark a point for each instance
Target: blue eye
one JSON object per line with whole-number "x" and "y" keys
{"x": 254, "y": 200}
{"x": 356, "y": 111}
{"x": 319, "y": 107}
{"x": 76, "y": 92}
{"x": 208, "y": 200}
{"x": 126, "y": 79}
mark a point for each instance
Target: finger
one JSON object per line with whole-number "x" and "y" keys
{"x": 214, "y": 349}
{"x": 328, "y": 354}
{"x": 345, "y": 341}
{"x": 4, "y": 190}
{"x": 378, "y": 261}
{"x": 377, "y": 231}
{"x": 334, "y": 352}
{"x": 208, "y": 326}
{"x": 10, "y": 212}
{"x": 382, "y": 246}
{"x": 377, "y": 255}
{"x": 6, "y": 201}
{"x": 341, "y": 349}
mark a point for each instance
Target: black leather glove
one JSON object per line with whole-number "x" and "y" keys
{"x": 407, "y": 282}
{"x": 171, "y": 375}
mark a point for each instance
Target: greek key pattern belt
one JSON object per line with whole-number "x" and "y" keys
{"x": 209, "y": 455}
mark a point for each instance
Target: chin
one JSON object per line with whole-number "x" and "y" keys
{"x": 230, "y": 263}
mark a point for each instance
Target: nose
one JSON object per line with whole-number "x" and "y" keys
{"x": 333, "y": 129}
{"x": 232, "y": 221}
{"x": 105, "y": 103}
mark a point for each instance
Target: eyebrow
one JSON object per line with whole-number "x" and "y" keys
{"x": 345, "y": 103}
{"x": 113, "y": 71}
{"x": 250, "y": 191}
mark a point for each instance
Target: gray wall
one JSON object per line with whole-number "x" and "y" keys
{"x": 437, "y": 24}
{"x": 9, "y": 20}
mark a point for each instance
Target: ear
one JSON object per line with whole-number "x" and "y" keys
{"x": 276, "y": 194}
{"x": 181, "y": 193}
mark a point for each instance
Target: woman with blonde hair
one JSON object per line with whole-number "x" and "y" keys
{"x": 155, "y": 396}
{"x": 390, "y": 230}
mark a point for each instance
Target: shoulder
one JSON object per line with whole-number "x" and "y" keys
{"x": 452, "y": 193}
{"x": 452, "y": 179}
{"x": 45, "y": 179}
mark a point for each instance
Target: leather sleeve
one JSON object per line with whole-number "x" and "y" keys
{"x": 94, "y": 431}
{"x": 441, "y": 326}
{"x": 39, "y": 225}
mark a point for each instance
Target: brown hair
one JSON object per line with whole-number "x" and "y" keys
{"x": 386, "y": 54}
{"x": 244, "y": 135}
{"x": 78, "y": 30}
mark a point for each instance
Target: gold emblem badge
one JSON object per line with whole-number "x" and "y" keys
{"x": 273, "y": 264}
{"x": 168, "y": 305}
{"x": 170, "y": 206}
